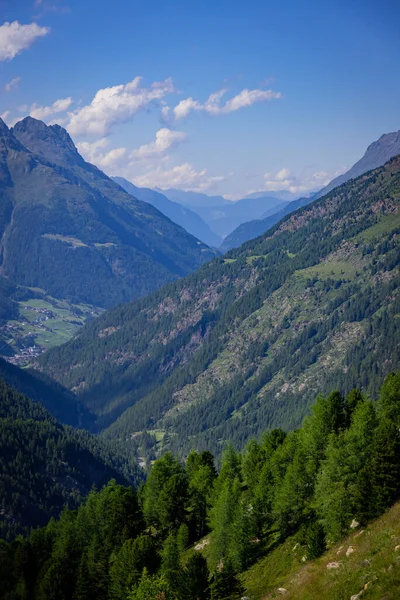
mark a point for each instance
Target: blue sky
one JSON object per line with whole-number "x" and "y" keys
{"x": 219, "y": 96}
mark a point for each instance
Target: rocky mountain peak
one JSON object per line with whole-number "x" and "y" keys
{"x": 50, "y": 141}
{"x": 3, "y": 128}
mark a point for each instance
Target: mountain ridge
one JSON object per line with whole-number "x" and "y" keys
{"x": 377, "y": 153}
{"x": 76, "y": 216}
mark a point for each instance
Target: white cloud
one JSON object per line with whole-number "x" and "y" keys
{"x": 284, "y": 180}
{"x": 116, "y": 104}
{"x": 165, "y": 140}
{"x": 43, "y": 112}
{"x": 119, "y": 162}
{"x": 213, "y": 104}
{"x": 97, "y": 153}
{"x": 12, "y": 85}
{"x": 14, "y": 38}
{"x": 184, "y": 107}
{"x": 4, "y": 116}
{"x": 183, "y": 177}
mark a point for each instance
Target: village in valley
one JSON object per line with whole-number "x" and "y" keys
{"x": 42, "y": 324}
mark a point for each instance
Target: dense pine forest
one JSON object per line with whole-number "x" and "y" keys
{"x": 45, "y": 466}
{"x": 190, "y": 530}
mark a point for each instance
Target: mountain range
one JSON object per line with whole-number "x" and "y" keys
{"x": 223, "y": 216}
{"x": 380, "y": 151}
{"x": 178, "y": 213}
{"x": 245, "y": 343}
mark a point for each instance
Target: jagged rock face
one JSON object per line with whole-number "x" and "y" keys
{"x": 68, "y": 229}
{"x": 51, "y": 142}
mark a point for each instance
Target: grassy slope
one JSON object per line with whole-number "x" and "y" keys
{"x": 284, "y": 568}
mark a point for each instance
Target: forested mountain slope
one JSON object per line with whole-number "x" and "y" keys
{"x": 66, "y": 228}
{"x": 60, "y": 402}
{"x": 262, "y": 522}
{"x": 244, "y": 343}
{"x": 45, "y": 466}
{"x": 183, "y": 216}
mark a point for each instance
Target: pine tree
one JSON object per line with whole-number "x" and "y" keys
{"x": 127, "y": 567}
{"x": 225, "y": 584}
{"x": 197, "y": 576}
{"x": 385, "y": 466}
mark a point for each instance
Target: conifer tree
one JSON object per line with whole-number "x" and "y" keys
{"x": 197, "y": 577}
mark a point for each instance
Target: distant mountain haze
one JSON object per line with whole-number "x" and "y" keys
{"x": 282, "y": 195}
{"x": 223, "y": 216}
{"x": 252, "y": 229}
{"x": 193, "y": 199}
{"x": 178, "y": 213}
{"x": 68, "y": 229}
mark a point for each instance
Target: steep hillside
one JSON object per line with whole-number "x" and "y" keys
{"x": 244, "y": 343}
{"x": 45, "y": 466}
{"x": 376, "y": 155}
{"x": 59, "y": 401}
{"x": 256, "y": 528}
{"x": 178, "y": 213}
{"x": 66, "y": 228}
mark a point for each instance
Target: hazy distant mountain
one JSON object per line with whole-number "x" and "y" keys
{"x": 252, "y": 229}
{"x": 282, "y": 195}
{"x": 193, "y": 198}
{"x": 175, "y": 211}
{"x": 379, "y": 152}
{"x": 67, "y": 228}
{"x": 223, "y": 216}
{"x": 223, "y": 220}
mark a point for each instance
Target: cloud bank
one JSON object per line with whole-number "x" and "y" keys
{"x": 116, "y": 104}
